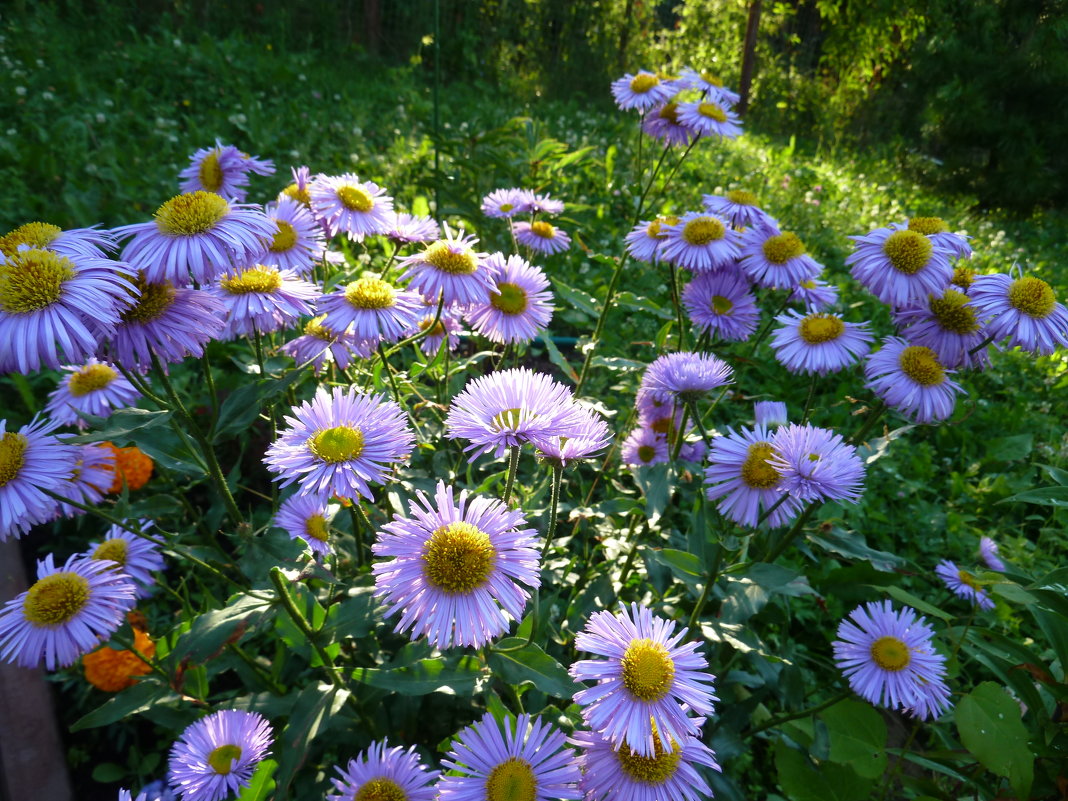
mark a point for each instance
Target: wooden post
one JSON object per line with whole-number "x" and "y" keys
{"x": 749, "y": 55}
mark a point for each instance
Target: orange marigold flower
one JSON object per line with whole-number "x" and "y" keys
{"x": 131, "y": 464}
{"x": 110, "y": 670}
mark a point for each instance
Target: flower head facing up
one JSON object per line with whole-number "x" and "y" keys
{"x": 937, "y": 230}
{"x": 947, "y": 324}
{"x": 520, "y": 304}
{"x": 262, "y": 299}
{"x": 964, "y": 584}
{"x": 216, "y": 756}
{"x": 298, "y": 243}
{"x": 700, "y": 242}
{"x": 542, "y": 237}
{"x": 93, "y": 388}
{"x": 457, "y": 568}
{"x": 307, "y": 518}
{"x": 890, "y": 660}
{"x": 1023, "y": 310}
{"x": 382, "y": 773}
{"x": 816, "y": 464}
{"x": 505, "y": 203}
{"x": 722, "y": 303}
{"x": 899, "y": 267}
{"x": 988, "y": 552}
{"x": 642, "y": 91}
{"x": 818, "y": 342}
{"x": 224, "y": 170}
{"x": 911, "y": 379}
{"x": 776, "y": 260}
{"x": 372, "y": 308}
{"x": 31, "y": 460}
{"x": 741, "y": 474}
{"x": 686, "y": 377}
{"x": 739, "y": 207}
{"x": 346, "y": 204}
{"x": 450, "y": 268}
{"x": 135, "y": 556}
{"x": 708, "y": 117}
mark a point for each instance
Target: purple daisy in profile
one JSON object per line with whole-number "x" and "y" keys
{"x": 988, "y": 552}
{"x": 135, "y": 556}
{"x": 770, "y": 413}
{"x": 404, "y": 229}
{"x": 890, "y": 660}
{"x": 520, "y": 305}
{"x": 590, "y": 435}
{"x": 65, "y": 613}
{"x": 686, "y": 376}
{"x": 92, "y": 475}
{"x": 937, "y": 230}
{"x": 195, "y": 236}
{"x": 542, "y": 237}
{"x": 899, "y": 267}
{"x": 381, "y": 773}
{"x": 307, "y": 518}
{"x": 262, "y": 299}
{"x": 741, "y": 475}
{"x": 663, "y": 124}
{"x": 947, "y": 324}
{"x": 528, "y": 759}
{"x": 776, "y": 260}
{"x": 816, "y": 295}
{"x": 963, "y": 584}
{"x": 373, "y": 309}
{"x": 700, "y": 242}
{"x": 450, "y": 268}
{"x": 74, "y": 244}
{"x": 31, "y": 460}
{"x": 642, "y": 91}
{"x": 216, "y": 756}
{"x": 338, "y": 443}
{"x": 818, "y": 343}
{"x": 720, "y": 303}
{"x": 911, "y": 379}
{"x": 645, "y": 239}
{"x": 709, "y": 117}
{"x": 457, "y": 568}
{"x": 299, "y": 242}
{"x": 299, "y": 189}
{"x": 644, "y": 447}
{"x": 816, "y": 464}
{"x": 94, "y": 388}
{"x": 505, "y": 203}
{"x": 320, "y": 345}
{"x": 739, "y": 207}
{"x": 1023, "y": 310}
{"x": 710, "y": 84}
{"x": 647, "y": 683}
{"x": 345, "y": 204}
{"x": 541, "y": 203}
{"x": 222, "y": 169}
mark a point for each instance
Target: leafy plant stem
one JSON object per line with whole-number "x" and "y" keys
{"x": 808, "y": 400}
{"x": 776, "y": 551}
{"x": 804, "y": 713}
{"x": 513, "y": 467}
{"x": 554, "y": 500}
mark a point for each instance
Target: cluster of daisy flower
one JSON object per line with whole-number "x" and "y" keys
{"x": 965, "y": 584}
{"x": 540, "y": 236}
{"x": 677, "y": 110}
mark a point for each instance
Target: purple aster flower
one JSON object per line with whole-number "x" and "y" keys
{"x": 135, "y": 556}
{"x": 686, "y": 376}
{"x": 542, "y": 237}
{"x": 1023, "y": 310}
{"x": 709, "y": 117}
{"x": 652, "y": 404}
{"x": 262, "y": 299}
{"x": 776, "y": 260}
{"x": 647, "y": 683}
{"x": 373, "y": 309}
{"x": 31, "y": 460}
{"x": 520, "y": 304}
{"x": 528, "y": 760}
{"x": 770, "y": 413}
{"x": 319, "y": 345}
{"x": 404, "y": 229}
{"x": 645, "y": 239}
{"x": 344, "y": 203}
{"x": 700, "y": 242}
{"x": 740, "y": 473}
{"x": 339, "y": 442}
{"x": 890, "y": 660}
{"x": 818, "y": 343}
{"x": 988, "y": 552}
{"x": 669, "y": 774}
{"x": 224, "y": 170}
{"x": 663, "y": 124}
{"x": 216, "y": 756}
{"x": 644, "y": 447}
{"x": 899, "y": 266}
{"x": 721, "y": 303}
{"x": 963, "y": 584}
{"x": 817, "y": 295}
{"x": 78, "y": 242}
{"x": 451, "y": 268}
{"x": 590, "y": 436}
{"x": 710, "y": 84}
{"x": 912, "y": 380}
{"x": 541, "y": 203}
{"x": 936, "y": 229}
{"x": 382, "y": 773}
{"x": 92, "y": 475}
{"x": 505, "y": 203}
{"x": 508, "y": 408}
{"x": 642, "y": 91}
{"x": 65, "y": 613}
{"x": 299, "y": 241}
{"x": 816, "y": 464}
{"x": 307, "y": 518}
{"x": 448, "y": 325}
{"x": 94, "y": 388}
{"x": 947, "y": 324}
{"x": 196, "y": 236}
{"x": 299, "y": 190}
{"x": 739, "y": 207}
{"x": 457, "y": 568}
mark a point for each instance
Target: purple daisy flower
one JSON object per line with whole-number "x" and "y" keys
{"x": 817, "y": 295}
{"x": 505, "y": 203}
{"x": 262, "y": 299}
{"x": 457, "y": 568}
{"x": 899, "y": 266}
{"x": 988, "y": 552}
{"x": 721, "y": 303}
{"x": 94, "y": 388}
{"x": 65, "y": 613}
{"x": 652, "y": 404}
{"x": 911, "y": 379}
{"x": 372, "y": 309}
{"x": 307, "y": 518}
{"x": 319, "y": 345}
{"x": 642, "y": 91}
{"x": 339, "y": 442}
{"x": 344, "y": 203}
{"x": 710, "y": 84}
{"x": 816, "y": 464}
{"x": 700, "y": 242}
{"x": 74, "y": 244}
{"x": 647, "y": 682}
{"x": 224, "y": 170}
{"x": 663, "y": 124}
{"x": 686, "y": 376}
{"x": 508, "y": 408}
{"x": 890, "y": 660}
{"x": 937, "y": 230}
{"x": 299, "y": 241}
{"x": 382, "y": 773}
{"x": 196, "y": 236}
{"x": 404, "y": 229}
{"x": 93, "y": 473}
{"x": 216, "y": 756}
{"x": 770, "y": 413}
{"x": 644, "y": 447}
{"x": 448, "y": 325}
{"x": 644, "y": 240}
{"x": 31, "y": 460}
{"x": 536, "y": 203}
{"x": 963, "y": 584}
{"x": 818, "y": 343}
{"x": 776, "y": 260}
{"x": 520, "y": 304}
{"x": 947, "y": 324}
{"x": 739, "y": 207}
{"x": 299, "y": 190}
{"x": 451, "y": 268}
{"x": 542, "y": 237}
{"x": 740, "y": 473}
{"x": 528, "y": 760}
{"x": 709, "y": 117}
{"x": 1023, "y": 310}
{"x": 590, "y": 436}
{"x": 135, "y": 556}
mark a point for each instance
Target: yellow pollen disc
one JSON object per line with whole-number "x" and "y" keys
{"x": 652, "y": 230}
{"x": 1033, "y": 296}
{"x": 286, "y": 237}
{"x": 908, "y": 251}
{"x": 512, "y": 780}
{"x": 255, "y": 280}
{"x": 808, "y": 284}
{"x": 91, "y": 378}
{"x": 370, "y": 293}
{"x": 441, "y": 256}
{"x": 509, "y": 298}
{"x": 55, "y": 599}
{"x": 210, "y": 173}
{"x": 890, "y": 653}
{"x": 655, "y": 769}
{"x": 702, "y": 230}
{"x": 355, "y": 198}
{"x": 316, "y": 528}
{"x": 509, "y": 419}
{"x": 506, "y": 207}
{"x": 783, "y": 247}
{"x": 12, "y": 455}
{"x": 437, "y": 331}
{"x": 191, "y": 213}
{"x": 711, "y": 78}
{"x": 922, "y": 366}
{"x": 32, "y": 280}
{"x": 380, "y": 789}
{"x": 928, "y": 225}
{"x": 337, "y": 444}
{"x": 302, "y": 196}
{"x": 113, "y": 550}
{"x": 542, "y": 229}
{"x": 722, "y": 305}
{"x": 756, "y": 472}
{"x": 222, "y": 758}
{"x": 34, "y": 234}
{"x": 646, "y": 453}
{"x": 962, "y": 277}
{"x": 817, "y": 328}
{"x": 968, "y": 579}
{"x": 642, "y": 83}
{"x": 153, "y": 301}
{"x": 648, "y": 671}
{"x": 741, "y": 197}
{"x": 315, "y": 328}
{"x": 713, "y": 111}
{"x": 662, "y": 426}
{"x": 458, "y": 558}
{"x": 670, "y": 112}
{"x": 952, "y": 314}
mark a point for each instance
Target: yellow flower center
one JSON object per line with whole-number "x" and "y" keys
{"x": 302, "y": 196}
{"x": 316, "y": 528}
{"x": 153, "y": 301}
{"x": 810, "y": 284}
{"x": 355, "y": 198}
{"x": 711, "y": 78}
{"x": 510, "y": 298}
{"x": 968, "y": 579}
{"x": 646, "y": 453}
{"x": 113, "y": 550}
{"x": 380, "y": 789}
{"x": 928, "y": 225}
{"x": 55, "y": 599}
{"x": 702, "y": 230}
{"x": 922, "y": 366}
{"x": 438, "y": 329}
{"x": 908, "y": 251}
{"x": 458, "y": 558}
{"x": 781, "y": 248}
{"x": 337, "y": 444}
{"x": 34, "y": 234}
{"x": 32, "y": 280}
{"x": 952, "y": 314}
{"x": 370, "y": 293}
{"x": 442, "y": 257}
{"x": 542, "y": 229}
{"x": 259, "y": 279}
{"x": 713, "y": 111}
{"x": 315, "y": 328}
{"x": 512, "y": 780}
{"x": 962, "y": 277}
{"x": 222, "y": 758}
{"x": 1033, "y": 296}
{"x": 756, "y": 472}
{"x": 890, "y": 653}
{"x": 642, "y": 83}
{"x": 210, "y": 173}
{"x": 91, "y": 378}
{"x": 670, "y": 112}
{"x": 648, "y": 671}
{"x": 286, "y": 237}
{"x": 655, "y": 769}
{"x": 741, "y": 197}
{"x": 817, "y": 328}
{"x": 12, "y": 455}
{"x": 506, "y": 207}
{"x": 190, "y": 214}
{"x": 509, "y": 419}
{"x": 722, "y": 305}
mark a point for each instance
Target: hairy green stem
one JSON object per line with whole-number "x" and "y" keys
{"x": 513, "y": 467}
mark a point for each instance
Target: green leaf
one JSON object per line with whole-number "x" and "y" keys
{"x": 684, "y": 565}
{"x": 988, "y": 721}
{"x": 557, "y": 358}
{"x": 243, "y": 405}
{"x": 107, "y": 772}
{"x": 858, "y": 737}
{"x": 314, "y": 708}
{"x": 1041, "y": 496}
{"x": 261, "y": 784}
{"x": 143, "y": 695}
{"x": 118, "y": 427}
{"x": 906, "y": 597}
{"x": 1010, "y": 449}
{"x": 424, "y": 677}
{"x": 577, "y": 298}
{"x": 212, "y": 630}
{"x": 655, "y": 485}
{"x": 532, "y": 664}
{"x": 826, "y": 782}
{"x": 853, "y": 545}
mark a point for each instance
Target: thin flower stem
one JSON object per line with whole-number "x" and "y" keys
{"x": 767, "y": 327}
{"x": 700, "y": 424}
{"x": 624, "y": 573}
{"x": 678, "y": 306}
{"x": 392, "y": 258}
{"x": 808, "y": 400}
{"x": 209, "y": 379}
{"x": 356, "y": 532}
{"x": 554, "y": 500}
{"x": 873, "y": 418}
{"x": 257, "y": 343}
{"x": 680, "y": 434}
{"x": 804, "y": 713}
{"x": 152, "y": 663}
{"x": 513, "y": 467}
{"x": 710, "y": 582}
{"x": 900, "y": 763}
{"x": 783, "y": 498}
{"x": 981, "y": 345}
{"x": 141, "y": 386}
{"x": 421, "y": 334}
{"x": 776, "y": 551}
